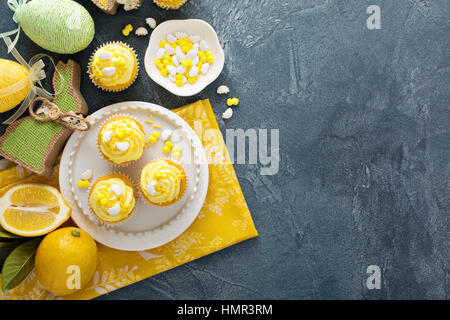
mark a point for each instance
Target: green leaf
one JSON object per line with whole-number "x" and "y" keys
{"x": 19, "y": 264}
{"x": 7, "y": 248}
{"x": 5, "y": 235}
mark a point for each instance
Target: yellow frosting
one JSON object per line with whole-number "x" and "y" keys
{"x": 160, "y": 181}
{"x": 112, "y": 199}
{"x": 121, "y": 140}
{"x": 113, "y": 65}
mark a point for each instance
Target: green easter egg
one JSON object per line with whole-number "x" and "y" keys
{"x": 61, "y": 26}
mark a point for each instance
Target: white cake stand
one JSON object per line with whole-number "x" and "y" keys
{"x": 149, "y": 226}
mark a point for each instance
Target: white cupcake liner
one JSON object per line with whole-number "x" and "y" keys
{"x": 136, "y": 196}
{"x": 142, "y": 195}
{"x": 117, "y": 165}
{"x": 92, "y": 57}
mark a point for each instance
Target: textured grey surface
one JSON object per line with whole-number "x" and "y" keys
{"x": 364, "y": 142}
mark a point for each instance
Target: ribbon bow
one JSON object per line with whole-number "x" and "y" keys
{"x": 14, "y": 5}
{"x": 36, "y": 73}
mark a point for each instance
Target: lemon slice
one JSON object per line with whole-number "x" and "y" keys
{"x": 32, "y": 209}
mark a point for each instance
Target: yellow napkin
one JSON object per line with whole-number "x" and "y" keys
{"x": 223, "y": 221}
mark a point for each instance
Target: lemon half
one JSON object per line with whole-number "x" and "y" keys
{"x": 32, "y": 209}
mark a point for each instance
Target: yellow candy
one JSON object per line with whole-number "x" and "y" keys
{"x": 125, "y": 32}
{"x": 161, "y": 66}
{"x": 157, "y": 126}
{"x": 192, "y": 80}
{"x": 149, "y": 121}
{"x": 209, "y": 54}
{"x": 235, "y": 101}
{"x": 176, "y": 149}
{"x": 229, "y": 102}
{"x": 162, "y": 43}
{"x": 129, "y": 27}
{"x": 152, "y": 139}
{"x": 155, "y": 134}
{"x": 176, "y": 155}
{"x": 185, "y": 49}
{"x": 203, "y": 59}
{"x": 210, "y": 60}
{"x": 166, "y": 62}
{"x": 157, "y": 62}
{"x": 83, "y": 183}
{"x": 179, "y": 83}
{"x": 166, "y": 149}
{"x": 168, "y": 144}
{"x": 201, "y": 54}
{"x": 179, "y": 76}
{"x": 167, "y": 56}
{"x": 186, "y": 63}
{"x": 164, "y": 72}
{"x": 199, "y": 66}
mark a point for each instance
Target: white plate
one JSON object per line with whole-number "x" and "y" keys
{"x": 149, "y": 226}
{"x": 191, "y": 27}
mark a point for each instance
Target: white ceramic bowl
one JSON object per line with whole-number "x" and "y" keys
{"x": 191, "y": 27}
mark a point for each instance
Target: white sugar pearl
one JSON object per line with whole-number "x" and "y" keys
{"x": 104, "y": 55}
{"x": 194, "y": 39}
{"x": 180, "y": 35}
{"x": 151, "y": 22}
{"x": 172, "y": 70}
{"x": 122, "y": 146}
{"x": 117, "y": 189}
{"x": 195, "y": 61}
{"x": 171, "y": 38}
{"x": 205, "y": 68}
{"x": 192, "y": 53}
{"x": 175, "y": 60}
{"x": 227, "y": 114}
{"x": 107, "y": 136}
{"x": 204, "y": 46}
{"x": 169, "y": 49}
{"x": 193, "y": 72}
{"x": 114, "y": 211}
{"x": 160, "y": 53}
{"x": 109, "y": 71}
{"x": 180, "y": 69}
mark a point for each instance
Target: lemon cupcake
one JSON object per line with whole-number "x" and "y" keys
{"x": 162, "y": 182}
{"x": 112, "y": 198}
{"x": 113, "y": 66}
{"x": 170, "y": 4}
{"x": 121, "y": 140}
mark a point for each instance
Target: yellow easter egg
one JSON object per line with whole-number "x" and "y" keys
{"x": 12, "y": 73}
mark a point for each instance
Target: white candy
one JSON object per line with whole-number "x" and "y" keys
{"x": 192, "y": 53}
{"x": 116, "y": 189}
{"x": 107, "y": 136}
{"x": 169, "y": 49}
{"x": 151, "y": 22}
{"x": 194, "y": 39}
{"x": 151, "y": 189}
{"x": 184, "y": 79}
{"x": 109, "y": 71}
{"x": 180, "y": 35}
{"x": 227, "y": 114}
{"x": 114, "y": 211}
{"x": 223, "y": 90}
{"x": 204, "y": 45}
{"x": 180, "y": 69}
{"x": 165, "y": 135}
{"x": 171, "y": 38}
{"x": 195, "y": 61}
{"x": 195, "y": 46}
{"x": 193, "y": 72}
{"x": 172, "y": 70}
{"x": 104, "y": 55}
{"x": 160, "y": 53}
{"x": 86, "y": 175}
{"x": 205, "y": 68}
{"x": 141, "y": 31}
{"x": 175, "y": 60}
{"x": 122, "y": 146}
{"x": 180, "y": 54}
{"x": 172, "y": 78}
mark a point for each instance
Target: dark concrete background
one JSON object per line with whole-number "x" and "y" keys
{"x": 364, "y": 143}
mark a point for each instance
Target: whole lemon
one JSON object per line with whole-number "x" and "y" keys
{"x": 66, "y": 260}
{"x": 15, "y": 77}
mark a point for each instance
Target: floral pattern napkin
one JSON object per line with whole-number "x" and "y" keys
{"x": 224, "y": 220}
